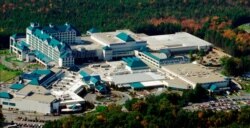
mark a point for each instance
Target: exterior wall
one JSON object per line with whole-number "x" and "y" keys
{"x": 193, "y": 84}
{"x": 78, "y": 40}
{"x": 48, "y": 50}
{"x": 43, "y": 47}
{"x": 28, "y": 34}
{"x": 219, "y": 84}
{"x": 147, "y": 59}
{"x": 28, "y": 105}
{"x": 68, "y": 37}
{"x": 179, "y": 60}
{"x": 126, "y": 49}
{"x": 157, "y": 63}
{"x": 21, "y": 55}
{"x": 99, "y": 54}
{"x": 60, "y": 62}
{"x": 68, "y": 61}
{"x": 83, "y": 53}
{"x": 183, "y": 49}
{"x": 107, "y": 54}
{"x": 205, "y": 48}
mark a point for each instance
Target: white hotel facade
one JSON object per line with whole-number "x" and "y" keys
{"x": 49, "y": 46}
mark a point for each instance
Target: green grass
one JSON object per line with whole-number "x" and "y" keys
{"x": 245, "y": 27}
{"x": 7, "y": 74}
{"x": 34, "y": 66}
{"x": 4, "y": 52}
{"x": 12, "y": 59}
{"x": 101, "y": 108}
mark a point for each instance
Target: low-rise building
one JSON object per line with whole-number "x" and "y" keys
{"x": 43, "y": 77}
{"x": 19, "y": 46}
{"x": 67, "y": 90}
{"x": 159, "y": 59}
{"x": 118, "y": 44}
{"x": 179, "y": 42}
{"x": 196, "y": 74}
{"x": 30, "y": 99}
{"x": 134, "y": 63}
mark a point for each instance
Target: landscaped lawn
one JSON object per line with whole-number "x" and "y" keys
{"x": 4, "y": 52}
{"x": 6, "y": 74}
{"x": 34, "y": 66}
{"x": 12, "y": 58}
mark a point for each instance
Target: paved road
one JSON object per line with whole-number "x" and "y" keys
{"x": 91, "y": 97}
{"x": 124, "y": 96}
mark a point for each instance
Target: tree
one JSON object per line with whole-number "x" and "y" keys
{"x": 235, "y": 66}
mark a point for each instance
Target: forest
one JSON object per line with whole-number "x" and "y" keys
{"x": 162, "y": 111}
{"x": 118, "y": 14}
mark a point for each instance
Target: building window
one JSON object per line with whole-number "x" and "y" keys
{"x": 5, "y": 103}
{"x": 12, "y": 104}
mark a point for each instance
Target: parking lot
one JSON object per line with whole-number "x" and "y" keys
{"x": 222, "y": 103}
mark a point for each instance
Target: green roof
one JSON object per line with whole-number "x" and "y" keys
{"x": 16, "y": 86}
{"x": 93, "y": 80}
{"x": 152, "y": 56}
{"x": 143, "y": 48}
{"x": 42, "y": 71}
{"x": 106, "y": 48}
{"x": 84, "y": 74}
{"x": 38, "y": 76}
{"x": 42, "y": 57}
{"x": 34, "y": 81}
{"x": 59, "y": 28}
{"x": 5, "y": 95}
{"x": 99, "y": 87}
{"x": 93, "y": 30}
{"x": 137, "y": 85}
{"x": 125, "y": 37}
{"x": 213, "y": 87}
{"x": 22, "y": 45}
{"x": 134, "y": 62}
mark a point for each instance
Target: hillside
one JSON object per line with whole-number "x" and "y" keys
{"x": 137, "y": 15}
{"x": 111, "y": 14}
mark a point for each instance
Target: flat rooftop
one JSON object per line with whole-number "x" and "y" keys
{"x": 180, "y": 39}
{"x": 111, "y": 37}
{"x": 32, "y": 88}
{"x": 37, "y": 97}
{"x": 110, "y": 68}
{"x": 39, "y": 93}
{"x": 88, "y": 44}
{"x": 67, "y": 88}
{"x": 136, "y": 77}
{"x": 195, "y": 72}
{"x": 42, "y": 98}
